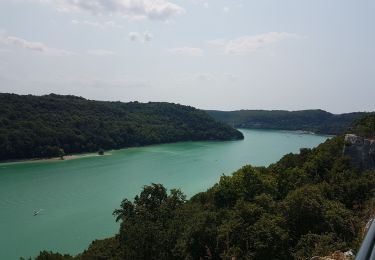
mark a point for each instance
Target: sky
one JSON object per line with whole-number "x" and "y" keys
{"x": 210, "y": 54}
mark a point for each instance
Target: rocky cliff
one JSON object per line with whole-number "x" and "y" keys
{"x": 338, "y": 255}
{"x": 361, "y": 150}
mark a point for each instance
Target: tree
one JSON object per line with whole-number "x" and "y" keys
{"x": 268, "y": 239}
{"x": 312, "y": 244}
{"x": 61, "y": 153}
{"x": 303, "y": 210}
{"x": 144, "y": 231}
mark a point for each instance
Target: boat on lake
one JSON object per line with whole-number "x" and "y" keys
{"x": 36, "y": 212}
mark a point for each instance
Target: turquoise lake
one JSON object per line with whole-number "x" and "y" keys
{"x": 77, "y": 197}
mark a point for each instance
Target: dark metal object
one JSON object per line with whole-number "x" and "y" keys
{"x": 367, "y": 250}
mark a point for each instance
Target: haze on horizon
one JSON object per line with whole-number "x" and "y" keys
{"x": 211, "y": 54}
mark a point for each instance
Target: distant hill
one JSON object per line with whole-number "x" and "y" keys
{"x": 317, "y": 121}
{"x": 52, "y": 125}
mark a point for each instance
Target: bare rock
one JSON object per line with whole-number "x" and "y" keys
{"x": 337, "y": 255}
{"x": 361, "y": 151}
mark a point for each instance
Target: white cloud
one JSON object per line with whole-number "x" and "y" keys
{"x": 133, "y": 36}
{"x": 204, "y": 76}
{"x": 226, "y": 9}
{"x": 33, "y": 46}
{"x": 151, "y": 9}
{"x": 98, "y": 82}
{"x": 230, "y": 76}
{"x": 100, "y": 52}
{"x": 140, "y": 36}
{"x": 216, "y": 77}
{"x": 250, "y": 43}
{"x": 217, "y": 42}
{"x": 189, "y": 78}
{"x": 186, "y": 51}
{"x": 147, "y": 36}
{"x": 102, "y": 25}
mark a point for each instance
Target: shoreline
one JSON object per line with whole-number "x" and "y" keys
{"x": 84, "y": 155}
{"x": 299, "y": 132}
{"x": 53, "y": 159}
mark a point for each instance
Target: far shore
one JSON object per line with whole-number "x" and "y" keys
{"x": 65, "y": 158}
{"x": 84, "y": 155}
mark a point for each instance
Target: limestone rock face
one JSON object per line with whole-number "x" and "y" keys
{"x": 361, "y": 150}
{"x": 338, "y": 255}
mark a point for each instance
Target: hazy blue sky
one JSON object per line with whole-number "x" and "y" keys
{"x": 211, "y": 54}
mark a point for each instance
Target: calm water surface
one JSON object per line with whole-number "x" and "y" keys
{"x": 78, "y": 196}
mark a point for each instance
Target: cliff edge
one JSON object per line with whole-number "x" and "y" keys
{"x": 361, "y": 151}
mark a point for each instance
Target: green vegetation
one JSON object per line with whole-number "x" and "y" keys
{"x": 53, "y": 125}
{"x": 365, "y": 126}
{"x": 307, "y": 204}
{"x": 317, "y": 121}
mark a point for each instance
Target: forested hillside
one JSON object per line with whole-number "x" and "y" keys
{"x": 307, "y": 204}
{"x": 317, "y": 121}
{"x": 365, "y": 126}
{"x": 48, "y": 126}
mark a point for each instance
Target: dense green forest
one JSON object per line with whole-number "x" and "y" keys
{"x": 53, "y": 125}
{"x": 365, "y": 126}
{"x": 306, "y": 204}
{"x": 317, "y": 121}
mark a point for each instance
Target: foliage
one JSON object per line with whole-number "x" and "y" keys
{"x": 365, "y": 126}
{"x": 145, "y": 224}
{"x": 316, "y": 245}
{"x": 317, "y": 121}
{"x": 103, "y": 249}
{"x": 45, "y": 255}
{"x": 53, "y": 125}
